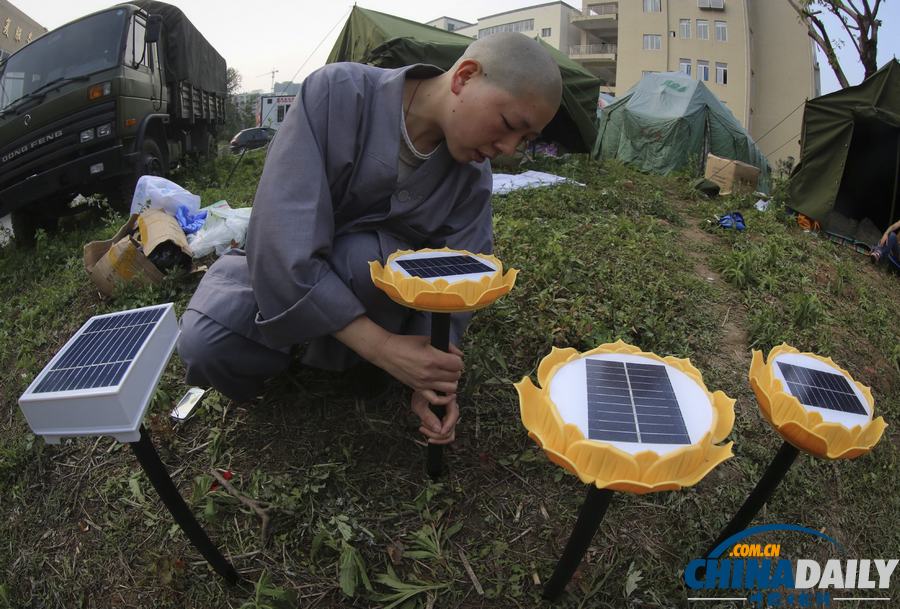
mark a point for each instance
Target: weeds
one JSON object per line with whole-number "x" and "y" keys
{"x": 354, "y": 521}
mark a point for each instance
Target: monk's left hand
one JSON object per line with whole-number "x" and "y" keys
{"x": 437, "y": 431}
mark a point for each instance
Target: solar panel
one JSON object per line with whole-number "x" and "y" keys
{"x": 443, "y": 266}
{"x": 821, "y": 389}
{"x": 102, "y": 353}
{"x": 630, "y": 402}
{"x": 102, "y": 379}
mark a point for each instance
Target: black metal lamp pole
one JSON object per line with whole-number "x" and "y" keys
{"x": 440, "y": 339}
{"x": 589, "y": 518}
{"x": 773, "y": 475}
{"x": 149, "y": 459}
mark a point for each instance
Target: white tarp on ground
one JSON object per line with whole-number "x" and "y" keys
{"x": 505, "y": 183}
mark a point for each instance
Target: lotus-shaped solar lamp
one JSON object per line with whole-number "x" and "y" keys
{"x": 817, "y": 407}
{"x": 441, "y": 281}
{"x": 622, "y": 419}
{"x": 100, "y": 384}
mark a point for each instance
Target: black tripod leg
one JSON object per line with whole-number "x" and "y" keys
{"x": 589, "y": 518}
{"x": 773, "y": 475}
{"x": 440, "y": 339}
{"x": 149, "y": 459}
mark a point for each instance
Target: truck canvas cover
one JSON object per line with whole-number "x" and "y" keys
{"x": 188, "y": 55}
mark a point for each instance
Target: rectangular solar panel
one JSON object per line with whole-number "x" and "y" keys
{"x": 101, "y": 381}
{"x": 102, "y": 353}
{"x": 629, "y": 402}
{"x": 443, "y": 266}
{"x": 821, "y": 389}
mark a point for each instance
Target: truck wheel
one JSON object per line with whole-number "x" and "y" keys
{"x": 151, "y": 165}
{"x": 151, "y": 160}
{"x": 25, "y": 224}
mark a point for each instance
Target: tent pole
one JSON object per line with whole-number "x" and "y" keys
{"x": 894, "y": 213}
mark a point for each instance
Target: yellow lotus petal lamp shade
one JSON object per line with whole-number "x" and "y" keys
{"x": 814, "y": 404}
{"x": 817, "y": 407}
{"x": 442, "y": 280}
{"x": 626, "y": 420}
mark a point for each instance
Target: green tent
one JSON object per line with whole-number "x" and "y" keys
{"x": 387, "y": 41}
{"x": 848, "y": 177}
{"x": 669, "y": 121}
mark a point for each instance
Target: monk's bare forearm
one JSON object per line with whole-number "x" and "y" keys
{"x": 365, "y": 337}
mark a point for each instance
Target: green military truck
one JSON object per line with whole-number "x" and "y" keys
{"x": 94, "y": 104}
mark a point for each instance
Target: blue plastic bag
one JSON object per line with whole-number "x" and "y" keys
{"x": 733, "y": 220}
{"x": 190, "y": 222}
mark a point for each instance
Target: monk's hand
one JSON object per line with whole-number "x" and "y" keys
{"x": 437, "y": 431}
{"x": 884, "y": 238}
{"x": 415, "y": 363}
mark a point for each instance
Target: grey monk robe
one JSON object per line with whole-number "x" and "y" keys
{"x": 329, "y": 201}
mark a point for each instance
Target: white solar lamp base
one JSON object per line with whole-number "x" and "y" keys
{"x": 100, "y": 384}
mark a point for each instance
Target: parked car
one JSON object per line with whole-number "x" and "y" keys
{"x": 248, "y": 139}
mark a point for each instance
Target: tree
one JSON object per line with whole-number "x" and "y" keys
{"x": 858, "y": 19}
{"x": 232, "y": 81}
{"x": 240, "y": 112}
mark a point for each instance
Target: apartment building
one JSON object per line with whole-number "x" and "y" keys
{"x": 16, "y": 29}
{"x": 551, "y": 21}
{"x": 449, "y": 23}
{"x": 754, "y": 55}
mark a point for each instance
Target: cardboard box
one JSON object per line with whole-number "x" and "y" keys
{"x": 124, "y": 258}
{"x": 731, "y": 175}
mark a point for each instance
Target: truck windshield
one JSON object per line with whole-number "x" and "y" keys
{"x": 72, "y": 51}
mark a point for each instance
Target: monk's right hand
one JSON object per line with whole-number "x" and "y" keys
{"x": 415, "y": 363}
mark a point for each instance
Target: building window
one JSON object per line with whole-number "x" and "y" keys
{"x": 652, "y": 6}
{"x": 722, "y": 73}
{"x": 685, "y": 27}
{"x": 721, "y": 31}
{"x": 646, "y": 72}
{"x": 714, "y": 4}
{"x": 282, "y": 111}
{"x": 703, "y": 70}
{"x": 526, "y": 25}
{"x": 545, "y": 32}
{"x": 652, "y": 42}
{"x": 451, "y": 27}
{"x": 685, "y": 66}
{"x": 702, "y": 29}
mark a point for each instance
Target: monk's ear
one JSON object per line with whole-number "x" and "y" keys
{"x": 462, "y": 73}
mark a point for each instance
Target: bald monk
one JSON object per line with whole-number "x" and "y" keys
{"x": 368, "y": 161}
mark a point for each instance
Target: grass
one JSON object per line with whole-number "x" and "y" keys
{"x": 353, "y": 520}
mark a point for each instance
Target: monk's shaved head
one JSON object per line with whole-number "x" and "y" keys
{"x": 517, "y": 64}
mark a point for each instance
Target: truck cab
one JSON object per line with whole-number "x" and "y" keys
{"x": 88, "y": 108}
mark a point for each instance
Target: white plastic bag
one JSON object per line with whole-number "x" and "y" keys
{"x": 154, "y": 192}
{"x": 223, "y": 225}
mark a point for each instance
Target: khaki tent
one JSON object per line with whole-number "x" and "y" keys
{"x": 848, "y": 177}
{"x": 668, "y": 122}
{"x": 387, "y": 41}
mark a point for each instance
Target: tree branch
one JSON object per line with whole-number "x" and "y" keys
{"x": 821, "y": 40}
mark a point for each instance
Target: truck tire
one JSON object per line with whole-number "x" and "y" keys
{"x": 152, "y": 164}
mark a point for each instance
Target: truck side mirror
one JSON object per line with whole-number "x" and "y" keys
{"x": 154, "y": 27}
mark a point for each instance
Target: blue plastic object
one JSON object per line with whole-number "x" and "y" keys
{"x": 733, "y": 220}
{"x": 190, "y": 223}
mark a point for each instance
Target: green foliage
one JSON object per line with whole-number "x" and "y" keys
{"x": 353, "y": 520}
{"x": 268, "y": 596}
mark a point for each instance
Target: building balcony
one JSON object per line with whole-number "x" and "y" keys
{"x": 594, "y": 53}
{"x": 603, "y": 16}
